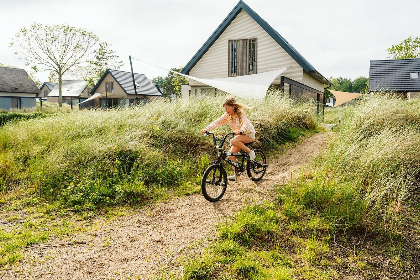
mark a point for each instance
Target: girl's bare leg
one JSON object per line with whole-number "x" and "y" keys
{"x": 238, "y": 144}
{"x": 239, "y": 140}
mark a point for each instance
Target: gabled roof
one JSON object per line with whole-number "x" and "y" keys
{"x": 50, "y": 86}
{"x": 125, "y": 80}
{"x": 271, "y": 31}
{"x": 69, "y": 88}
{"x": 394, "y": 75}
{"x": 15, "y": 80}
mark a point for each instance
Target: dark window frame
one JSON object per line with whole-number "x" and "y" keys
{"x": 242, "y": 57}
{"x": 109, "y": 85}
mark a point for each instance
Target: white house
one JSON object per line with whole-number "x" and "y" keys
{"x": 245, "y": 44}
{"x": 115, "y": 88}
{"x": 72, "y": 92}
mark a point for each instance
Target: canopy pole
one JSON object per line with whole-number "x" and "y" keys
{"x": 134, "y": 82}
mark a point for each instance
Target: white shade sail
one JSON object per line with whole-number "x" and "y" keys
{"x": 248, "y": 86}
{"x": 97, "y": 95}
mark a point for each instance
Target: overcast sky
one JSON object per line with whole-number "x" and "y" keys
{"x": 338, "y": 37}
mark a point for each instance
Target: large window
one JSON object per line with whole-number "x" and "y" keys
{"x": 111, "y": 102}
{"x": 242, "y": 57}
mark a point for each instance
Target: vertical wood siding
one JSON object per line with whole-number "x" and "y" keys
{"x": 270, "y": 55}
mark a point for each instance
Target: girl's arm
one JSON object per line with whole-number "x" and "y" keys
{"x": 219, "y": 122}
{"x": 246, "y": 127}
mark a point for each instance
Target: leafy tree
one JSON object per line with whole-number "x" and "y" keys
{"x": 61, "y": 49}
{"x": 361, "y": 85}
{"x": 409, "y": 48}
{"x": 341, "y": 84}
{"x": 104, "y": 59}
{"x": 171, "y": 84}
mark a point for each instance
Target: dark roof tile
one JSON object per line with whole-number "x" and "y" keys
{"x": 394, "y": 75}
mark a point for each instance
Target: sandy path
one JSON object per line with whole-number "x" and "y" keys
{"x": 141, "y": 244}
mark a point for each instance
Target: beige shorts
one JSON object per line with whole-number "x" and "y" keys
{"x": 252, "y": 135}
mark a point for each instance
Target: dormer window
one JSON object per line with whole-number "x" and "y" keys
{"x": 109, "y": 87}
{"x": 414, "y": 75}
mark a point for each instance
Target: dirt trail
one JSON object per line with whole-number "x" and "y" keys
{"x": 139, "y": 245}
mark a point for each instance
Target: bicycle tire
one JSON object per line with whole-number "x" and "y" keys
{"x": 257, "y": 168}
{"x": 214, "y": 183}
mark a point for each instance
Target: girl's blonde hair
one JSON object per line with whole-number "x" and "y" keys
{"x": 238, "y": 107}
{"x": 231, "y": 101}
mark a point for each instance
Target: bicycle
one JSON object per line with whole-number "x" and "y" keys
{"x": 214, "y": 180}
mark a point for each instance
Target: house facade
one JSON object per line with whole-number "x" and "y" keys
{"x": 45, "y": 89}
{"x": 72, "y": 92}
{"x": 245, "y": 44}
{"x": 17, "y": 90}
{"x": 115, "y": 88}
{"x": 399, "y": 76}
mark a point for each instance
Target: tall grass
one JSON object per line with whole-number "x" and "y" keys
{"x": 362, "y": 188}
{"x": 91, "y": 158}
{"x": 378, "y": 150}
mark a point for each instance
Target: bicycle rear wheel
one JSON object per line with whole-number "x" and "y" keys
{"x": 256, "y": 168}
{"x": 214, "y": 182}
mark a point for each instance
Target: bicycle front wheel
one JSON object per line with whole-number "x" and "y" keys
{"x": 214, "y": 182}
{"x": 256, "y": 168}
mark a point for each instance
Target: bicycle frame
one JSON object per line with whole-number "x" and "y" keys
{"x": 242, "y": 157}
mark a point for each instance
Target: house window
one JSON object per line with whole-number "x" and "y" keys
{"x": 111, "y": 102}
{"x": 414, "y": 75}
{"x": 242, "y": 57}
{"x": 109, "y": 87}
{"x": 16, "y": 103}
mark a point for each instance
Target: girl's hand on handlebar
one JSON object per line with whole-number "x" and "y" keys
{"x": 203, "y": 131}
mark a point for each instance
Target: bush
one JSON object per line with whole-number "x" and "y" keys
{"x": 8, "y": 117}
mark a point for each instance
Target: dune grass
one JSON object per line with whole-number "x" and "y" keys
{"x": 90, "y": 160}
{"x": 355, "y": 213}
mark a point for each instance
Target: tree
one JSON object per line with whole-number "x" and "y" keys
{"x": 341, "y": 84}
{"x": 171, "y": 84}
{"x": 409, "y": 48}
{"x": 361, "y": 85}
{"x": 61, "y": 49}
{"x": 104, "y": 58}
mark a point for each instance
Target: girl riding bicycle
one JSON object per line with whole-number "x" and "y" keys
{"x": 235, "y": 117}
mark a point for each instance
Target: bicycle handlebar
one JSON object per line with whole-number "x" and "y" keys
{"x": 222, "y": 141}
